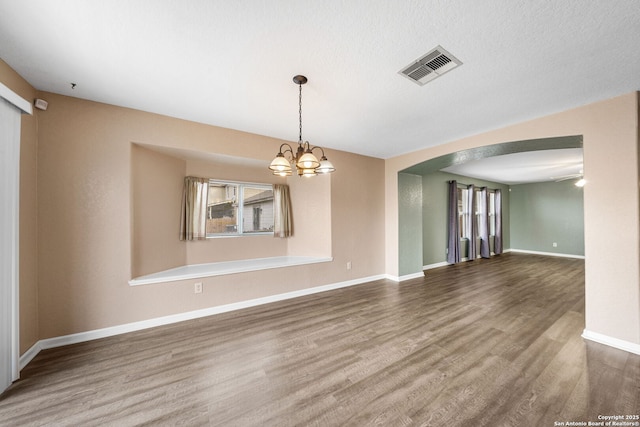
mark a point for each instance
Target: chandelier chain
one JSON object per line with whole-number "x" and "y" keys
{"x": 300, "y": 112}
{"x": 302, "y": 158}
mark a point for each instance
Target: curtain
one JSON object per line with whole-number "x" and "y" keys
{"x": 282, "y": 214}
{"x": 453, "y": 246}
{"x": 193, "y": 220}
{"x": 483, "y": 231}
{"x": 497, "y": 245}
{"x": 471, "y": 222}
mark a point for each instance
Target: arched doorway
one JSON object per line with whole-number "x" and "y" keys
{"x": 411, "y": 254}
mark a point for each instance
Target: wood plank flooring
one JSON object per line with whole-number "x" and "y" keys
{"x": 488, "y": 343}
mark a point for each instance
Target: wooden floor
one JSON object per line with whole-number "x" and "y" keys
{"x": 487, "y": 343}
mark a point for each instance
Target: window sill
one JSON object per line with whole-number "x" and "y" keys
{"x": 198, "y": 271}
{"x": 233, "y": 235}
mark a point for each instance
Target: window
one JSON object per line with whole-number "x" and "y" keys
{"x": 239, "y": 209}
{"x": 492, "y": 213}
{"x": 463, "y": 215}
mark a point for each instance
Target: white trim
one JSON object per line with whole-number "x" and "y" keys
{"x": 522, "y": 251}
{"x": 29, "y": 355}
{"x": 445, "y": 263}
{"x": 611, "y": 342}
{"x": 197, "y": 271}
{"x": 150, "y": 323}
{"x": 399, "y": 279}
{"x": 10, "y": 229}
{"x": 15, "y": 99}
{"x": 411, "y": 276}
{"x": 175, "y": 318}
{"x": 436, "y": 265}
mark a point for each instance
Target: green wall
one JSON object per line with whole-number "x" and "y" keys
{"x": 544, "y": 213}
{"x": 534, "y": 216}
{"x": 410, "y": 223}
{"x": 434, "y": 213}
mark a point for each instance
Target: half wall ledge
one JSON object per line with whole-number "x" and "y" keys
{"x": 211, "y": 269}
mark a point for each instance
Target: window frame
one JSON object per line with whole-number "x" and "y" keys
{"x": 240, "y": 185}
{"x": 463, "y": 215}
{"x": 492, "y": 213}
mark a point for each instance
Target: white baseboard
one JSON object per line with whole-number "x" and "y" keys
{"x": 611, "y": 342}
{"x": 522, "y": 251}
{"x": 399, "y": 279}
{"x": 436, "y": 265}
{"x": 411, "y": 276}
{"x": 166, "y": 320}
{"x": 29, "y": 355}
{"x": 445, "y": 263}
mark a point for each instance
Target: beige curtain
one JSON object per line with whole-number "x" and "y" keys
{"x": 283, "y": 219}
{"x": 193, "y": 221}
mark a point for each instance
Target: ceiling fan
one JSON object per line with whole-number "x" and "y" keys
{"x": 580, "y": 178}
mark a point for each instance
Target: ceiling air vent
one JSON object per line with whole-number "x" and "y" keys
{"x": 431, "y": 66}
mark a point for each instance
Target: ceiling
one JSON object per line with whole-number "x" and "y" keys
{"x": 231, "y": 63}
{"x": 520, "y": 168}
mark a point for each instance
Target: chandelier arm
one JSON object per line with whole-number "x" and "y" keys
{"x": 288, "y": 149}
{"x": 285, "y": 145}
{"x": 319, "y": 148}
{"x": 305, "y": 146}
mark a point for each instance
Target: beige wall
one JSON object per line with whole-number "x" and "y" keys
{"x": 89, "y": 217}
{"x": 311, "y": 216}
{"x": 354, "y": 212}
{"x": 611, "y": 204}
{"x": 28, "y": 211}
{"x": 156, "y": 193}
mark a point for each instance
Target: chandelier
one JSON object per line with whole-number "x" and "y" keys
{"x": 305, "y": 162}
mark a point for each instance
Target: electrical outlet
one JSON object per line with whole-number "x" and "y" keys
{"x": 197, "y": 288}
{"x": 555, "y": 244}
{"x": 348, "y": 265}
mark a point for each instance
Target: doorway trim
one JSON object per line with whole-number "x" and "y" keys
{"x": 11, "y": 222}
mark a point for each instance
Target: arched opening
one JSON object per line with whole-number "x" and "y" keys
{"x": 422, "y": 204}
{"x": 610, "y": 133}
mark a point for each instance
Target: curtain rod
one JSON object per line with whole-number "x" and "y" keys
{"x": 466, "y": 185}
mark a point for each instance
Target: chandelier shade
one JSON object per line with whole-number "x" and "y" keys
{"x": 303, "y": 159}
{"x": 325, "y": 166}
{"x": 280, "y": 164}
{"x": 307, "y": 161}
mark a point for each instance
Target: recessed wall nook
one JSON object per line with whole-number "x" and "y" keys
{"x": 158, "y": 256}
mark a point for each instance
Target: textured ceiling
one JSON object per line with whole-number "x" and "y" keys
{"x": 230, "y": 63}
